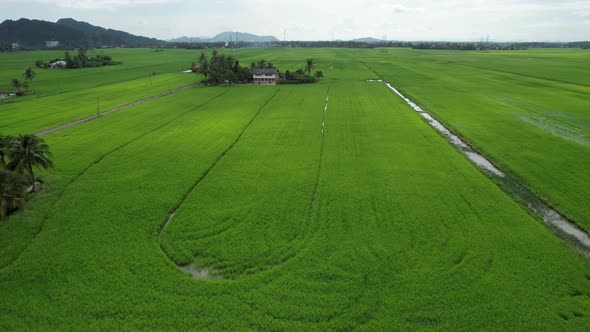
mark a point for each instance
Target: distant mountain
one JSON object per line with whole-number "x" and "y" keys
{"x": 185, "y": 39}
{"x": 370, "y": 40}
{"x": 225, "y": 37}
{"x": 69, "y": 33}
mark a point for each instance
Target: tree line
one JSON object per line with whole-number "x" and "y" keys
{"x": 18, "y": 157}
{"x": 79, "y": 60}
{"x": 398, "y": 44}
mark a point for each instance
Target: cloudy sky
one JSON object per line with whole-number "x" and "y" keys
{"x": 502, "y": 20}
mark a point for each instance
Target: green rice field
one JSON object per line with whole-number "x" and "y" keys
{"x": 323, "y": 207}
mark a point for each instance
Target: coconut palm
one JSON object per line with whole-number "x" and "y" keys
{"x": 5, "y": 145}
{"x": 29, "y": 74}
{"x": 28, "y": 151}
{"x": 205, "y": 69}
{"x": 261, "y": 63}
{"x": 309, "y": 64}
{"x": 12, "y": 192}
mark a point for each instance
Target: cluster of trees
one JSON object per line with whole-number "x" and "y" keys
{"x": 225, "y": 69}
{"x": 302, "y": 76}
{"x": 80, "y": 60}
{"x": 222, "y": 69}
{"x": 18, "y": 156}
{"x": 21, "y": 87}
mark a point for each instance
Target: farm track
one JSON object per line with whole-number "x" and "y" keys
{"x": 112, "y": 110}
{"x": 317, "y": 182}
{"x": 558, "y": 223}
{"x": 281, "y": 257}
{"x": 202, "y": 177}
{"x": 304, "y": 237}
{"x": 101, "y": 158}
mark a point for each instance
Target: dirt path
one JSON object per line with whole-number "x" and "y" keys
{"x": 112, "y": 110}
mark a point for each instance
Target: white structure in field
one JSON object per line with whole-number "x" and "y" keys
{"x": 51, "y": 43}
{"x": 58, "y": 65}
{"x": 265, "y": 76}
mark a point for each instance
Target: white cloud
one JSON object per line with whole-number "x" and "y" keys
{"x": 319, "y": 20}
{"x": 98, "y": 4}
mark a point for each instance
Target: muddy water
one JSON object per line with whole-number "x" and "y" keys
{"x": 556, "y": 222}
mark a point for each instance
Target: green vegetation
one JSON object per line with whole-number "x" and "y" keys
{"x": 329, "y": 206}
{"x": 26, "y": 152}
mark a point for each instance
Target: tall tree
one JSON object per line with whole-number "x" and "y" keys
{"x": 309, "y": 64}
{"x": 29, "y": 75}
{"x": 12, "y": 192}
{"x": 202, "y": 58}
{"x": 82, "y": 58}
{"x": 29, "y": 151}
{"x": 319, "y": 74}
{"x": 16, "y": 85}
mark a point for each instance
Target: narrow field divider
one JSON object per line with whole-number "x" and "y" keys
{"x": 560, "y": 225}
{"x": 112, "y": 110}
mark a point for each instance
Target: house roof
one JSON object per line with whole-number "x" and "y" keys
{"x": 265, "y": 71}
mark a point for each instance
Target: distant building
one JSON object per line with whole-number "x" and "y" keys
{"x": 58, "y": 64}
{"x": 51, "y": 43}
{"x": 265, "y": 76}
{"x": 16, "y": 46}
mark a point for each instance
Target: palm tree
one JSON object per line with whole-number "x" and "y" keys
{"x": 29, "y": 74}
{"x": 28, "y": 151}
{"x": 16, "y": 85}
{"x": 309, "y": 64}
{"x": 12, "y": 192}
{"x": 5, "y": 145}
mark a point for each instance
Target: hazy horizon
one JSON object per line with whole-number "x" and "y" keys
{"x": 457, "y": 20}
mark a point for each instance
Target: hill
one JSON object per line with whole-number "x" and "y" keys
{"x": 70, "y": 34}
{"x": 226, "y": 36}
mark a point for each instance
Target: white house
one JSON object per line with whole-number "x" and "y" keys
{"x": 265, "y": 76}
{"x": 51, "y": 43}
